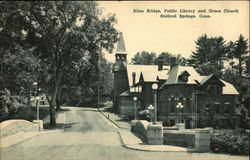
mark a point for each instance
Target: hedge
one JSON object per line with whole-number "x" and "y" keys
{"x": 230, "y": 142}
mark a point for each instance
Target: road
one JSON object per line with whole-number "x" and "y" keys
{"x": 90, "y": 136}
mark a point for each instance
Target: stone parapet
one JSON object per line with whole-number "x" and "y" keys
{"x": 202, "y": 140}
{"x": 180, "y": 126}
{"x": 155, "y": 134}
{"x": 39, "y": 123}
{"x": 11, "y": 127}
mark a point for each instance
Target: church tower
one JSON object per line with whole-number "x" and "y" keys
{"x": 120, "y": 71}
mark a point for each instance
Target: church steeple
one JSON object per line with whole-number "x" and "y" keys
{"x": 121, "y": 49}
{"x": 121, "y": 53}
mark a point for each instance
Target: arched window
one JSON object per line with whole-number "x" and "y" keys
{"x": 172, "y": 105}
{"x": 188, "y": 105}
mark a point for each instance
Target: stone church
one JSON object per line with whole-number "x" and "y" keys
{"x": 207, "y": 101}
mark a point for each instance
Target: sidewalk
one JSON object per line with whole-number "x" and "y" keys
{"x": 131, "y": 141}
{"x": 116, "y": 120}
{"x": 22, "y": 136}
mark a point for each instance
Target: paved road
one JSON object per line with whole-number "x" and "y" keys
{"x": 89, "y": 136}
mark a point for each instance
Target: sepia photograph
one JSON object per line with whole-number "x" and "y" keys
{"x": 130, "y": 80}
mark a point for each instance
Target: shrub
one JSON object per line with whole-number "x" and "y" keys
{"x": 230, "y": 142}
{"x": 24, "y": 112}
{"x": 7, "y": 104}
{"x": 10, "y": 108}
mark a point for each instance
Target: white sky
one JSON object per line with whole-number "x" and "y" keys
{"x": 149, "y": 32}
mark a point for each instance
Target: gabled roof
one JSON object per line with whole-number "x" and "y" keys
{"x": 176, "y": 71}
{"x": 184, "y": 72}
{"x": 207, "y": 78}
{"x": 146, "y": 70}
{"x": 149, "y": 76}
{"x": 121, "y": 49}
{"x": 229, "y": 88}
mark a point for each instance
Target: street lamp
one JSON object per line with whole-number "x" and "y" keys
{"x": 179, "y": 105}
{"x": 155, "y": 87}
{"x": 37, "y": 107}
{"x": 150, "y": 107}
{"x": 135, "y": 99}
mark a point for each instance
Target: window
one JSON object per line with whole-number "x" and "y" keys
{"x": 188, "y": 105}
{"x": 199, "y": 106}
{"x": 185, "y": 78}
{"x": 172, "y": 105}
{"x": 217, "y": 107}
{"x": 227, "y": 107}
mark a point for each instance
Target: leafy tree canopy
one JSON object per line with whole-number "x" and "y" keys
{"x": 60, "y": 33}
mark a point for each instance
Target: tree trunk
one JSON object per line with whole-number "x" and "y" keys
{"x": 52, "y": 101}
{"x": 52, "y": 109}
{"x": 58, "y": 98}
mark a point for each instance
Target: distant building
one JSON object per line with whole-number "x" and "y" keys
{"x": 208, "y": 101}
{"x": 42, "y": 100}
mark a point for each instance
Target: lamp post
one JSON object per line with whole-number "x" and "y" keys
{"x": 37, "y": 107}
{"x": 155, "y": 87}
{"x": 150, "y": 107}
{"x": 37, "y": 99}
{"x": 180, "y": 106}
{"x": 135, "y": 99}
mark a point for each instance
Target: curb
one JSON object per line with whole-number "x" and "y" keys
{"x": 110, "y": 120}
{"x": 147, "y": 150}
{"x": 121, "y": 140}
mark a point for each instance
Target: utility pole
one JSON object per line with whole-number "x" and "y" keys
{"x": 98, "y": 83}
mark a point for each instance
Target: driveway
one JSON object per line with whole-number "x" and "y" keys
{"x": 88, "y": 135}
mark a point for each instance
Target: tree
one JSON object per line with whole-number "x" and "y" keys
{"x": 209, "y": 55}
{"x": 19, "y": 72}
{"x": 77, "y": 85}
{"x": 61, "y": 33}
{"x": 240, "y": 50}
{"x": 166, "y": 58}
{"x": 144, "y": 57}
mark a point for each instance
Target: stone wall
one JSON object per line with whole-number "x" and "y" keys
{"x": 140, "y": 127}
{"x": 11, "y": 127}
{"x": 179, "y": 138}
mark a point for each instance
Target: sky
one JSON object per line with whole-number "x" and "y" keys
{"x": 149, "y": 32}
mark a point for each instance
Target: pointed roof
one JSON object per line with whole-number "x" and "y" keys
{"x": 206, "y": 78}
{"x": 147, "y": 70}
{"x": 121, "y": 49}
{"x": 229, "y": 88}
{"x": 176, "y": 71}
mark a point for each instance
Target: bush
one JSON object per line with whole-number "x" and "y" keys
{"x": 24, "y": 112}
{"x": 10, "y": 108}
{"x": 230, "y": 142}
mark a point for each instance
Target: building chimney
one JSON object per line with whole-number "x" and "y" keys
{"x": 173, "y": 62}
{"x": 160, "y": 64}
{"x": 133, "y": 76}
